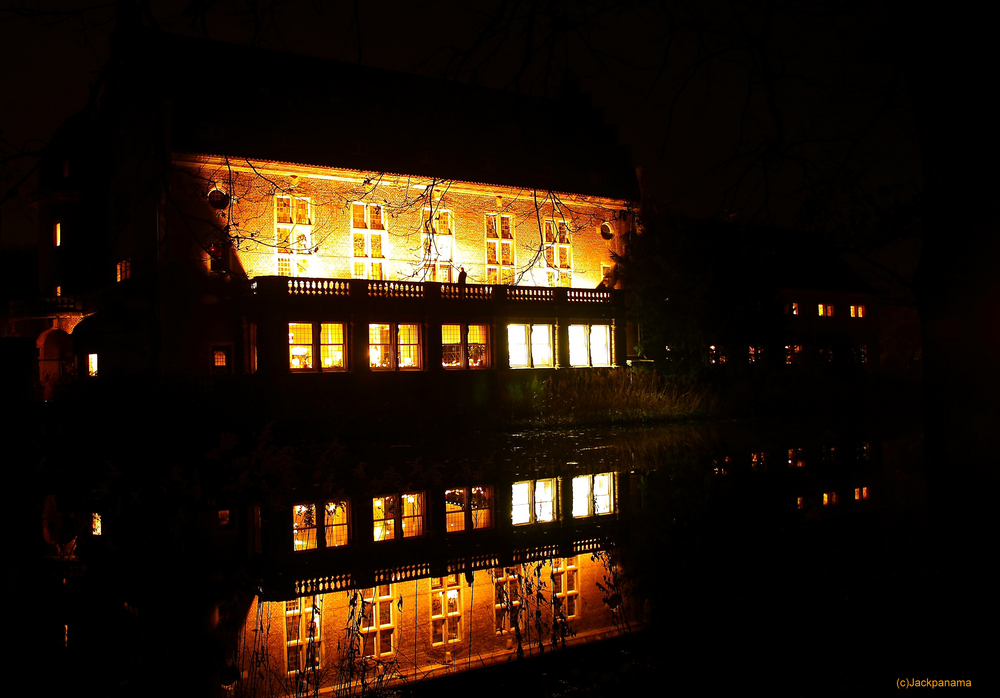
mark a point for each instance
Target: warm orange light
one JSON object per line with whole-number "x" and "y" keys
{"x": 95, "y": 523}
{"x": 57, "y": 233}
{"x": 92, "y": 365}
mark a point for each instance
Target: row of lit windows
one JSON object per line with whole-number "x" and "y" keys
{"x": 831, "y": 498}
{"x": 396, "y": 516}
{"x": 793, "y": 354}
{"x": 398, "y": 346}
{"x": 379, "y": 608}
{"x": 826, "y": 310}
{"x": 293, "y": 238}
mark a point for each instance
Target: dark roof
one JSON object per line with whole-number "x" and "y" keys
{"x": 228, "y": 99}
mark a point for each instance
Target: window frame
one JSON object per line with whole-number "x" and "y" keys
{"x": 364, "y": 266}
{"x": 313, "y": 643}
{"x": 437, "y": 266}
{"x": 401, "y": 522}
{"x": 374, "y": 631}
{"x": 449, "y": 621}
{"x": 588, "y": 346}
{"x": 463, "y": 344}
{"x": 530, "y": 345}
{"x": 590, "y": 506}
{"x": 395, "y": 346}
{"x": 534, "y": 503}
{"x": 293, "y": 240}
{"x": 463, "y": 508}
{"x": 558, "y": 252}
{"x": 498, "y": 271}
{"x": 317, "y": 345}
{"x": 565, "y": 572}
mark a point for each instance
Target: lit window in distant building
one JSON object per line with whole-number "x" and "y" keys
{"x": 335, "y": 523}
{"x": 368, "y": 232}
{"x": 795, "y": 308}
{"x": 716, "y": 355}
{"x": 795, "y": 459}
{"x": 57, "y": 233}
{"x": 413, "y": 515}
{"x": 829, "y": 498}
{"x": 377, "y": 622}
{"x": 446, "y": 609}
{"x": 223, "y": 518}
{"x": 95, "y": 524}
{"x": 123, "y": 270}
{"x": 860, "y": 493}
{"x": 565, "y": 586}
{"x": 92, "y": 365}
{"x": 499, "y": 249}
{"x": 303, "y": 634}
{"x": 755, "y": 353}
{"x": 219, "y": 358}
{"x": 825, "y": 310}
{"x": 758, "y": 460}
{"x": 793, "y": 354}
{"x": 384, "y": 517}
{"x": 857, "y": 311}
{"x": 58, "y": 291}
{"x": 381, "y": 346}
{"x": 304, "y": 527}
{"x": 799, "y": 504}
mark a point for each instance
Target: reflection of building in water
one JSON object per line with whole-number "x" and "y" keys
{"x": 381, "y": 586}
{"x": 412, "y": 629}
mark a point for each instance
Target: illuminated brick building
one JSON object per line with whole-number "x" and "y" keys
{"x": 215, "y": 211}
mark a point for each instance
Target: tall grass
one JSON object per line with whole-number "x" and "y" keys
{"x": 614, "y": 396}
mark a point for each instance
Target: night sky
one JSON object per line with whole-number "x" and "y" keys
{"x": 727, "y": 111}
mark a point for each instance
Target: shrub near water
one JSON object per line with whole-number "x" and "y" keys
{"x": 618, "y": 395}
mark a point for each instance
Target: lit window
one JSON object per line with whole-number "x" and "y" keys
{"x": 368, "y": 233}
{"x": 470, "y": 353}
{"x": 384, "y": 517}
{"x": 95, "y": 524}
{"x": 795, "y": 308}
{"x": 57, "y": 233}
{"x": 377, "y": 621}
{"x": 589, "y": 345}
{"x": 799, "y": 504}
{"x": 388, "y": 516}
{"x": 499, "y": 250}
{"x": 517, "y": 346}
{"x": 565, "y": 587}
{"x": 303, "y": 633}
{"x": 825, "y": 310}
{"x": 331, "y": 346}
{"x": 304, "y": 527}
{"x": 467, "y": 508}
{"x": 506, "y": 597}
{"x": 446, "y": 609}
{"x": 437, "y": 245}
{"x": 219, "y": 358}
{"x": 593, "y": 494}
{"x": 758, "y": 460}
{"x": 409, "y": 346}
{"x": 381, "y": 347}
{"x": 223, "y": 518}
{"x": 860, "y": 493}
{"x": 533, "y": 501}
{"x": 857, "y": 311}
{"x": 755, "y": 354}
{"x": 58, "y": 291}
{"x": 829, "y": 498}
{"x": 795, "y": 459}
{"x": 793, "y": 354}
{"x": 123, "y": 270}
{"x": 335, "y": 523}
{"x": 92, "y": 365}
{"x": 300, "y": 346}
{"x": 558, "y": 266}
{"x": 716, "y": 355}
{"x": 293, "y": 233}
{"x": 581, "y": 496}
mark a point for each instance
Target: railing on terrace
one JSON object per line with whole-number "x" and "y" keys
{"x": 46, "y": 306}
{"x": 362, "y": 288}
